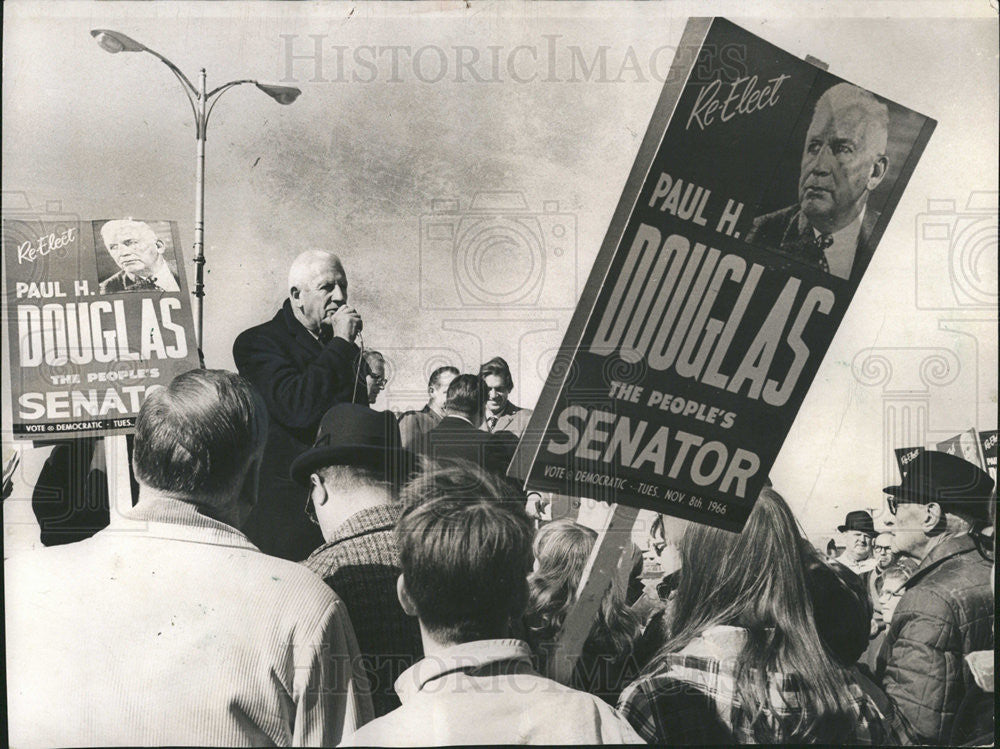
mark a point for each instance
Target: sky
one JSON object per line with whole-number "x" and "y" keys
{"x": 412, "y": 115}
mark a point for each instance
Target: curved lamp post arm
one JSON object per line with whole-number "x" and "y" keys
{"x": 216, "y": 93}
{"x": 115, "y": 42}
{"x": 202, "y": 104}
{"x": 188, "y": 86}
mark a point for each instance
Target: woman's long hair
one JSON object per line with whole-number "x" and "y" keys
{"x": 756, "y": 580}
{"x": 562, "y": 548}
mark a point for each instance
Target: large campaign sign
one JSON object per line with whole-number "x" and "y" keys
{"x": 98, "y": 316}
{"x": 754, "y": 206}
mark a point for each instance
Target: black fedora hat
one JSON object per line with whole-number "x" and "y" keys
{"x": 858, "y": 520}
{"x": 355, "y": 435}
{"x": 955, "y": 484}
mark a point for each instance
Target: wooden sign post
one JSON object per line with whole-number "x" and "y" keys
{"x": 606, "y": 560}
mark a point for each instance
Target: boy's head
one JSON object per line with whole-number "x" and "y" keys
{"x": 465, "y": 553}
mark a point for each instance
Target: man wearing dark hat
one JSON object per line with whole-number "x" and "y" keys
{"x": 946, "y": 612}
{"x": 858, "y": 531}
{"x": 353, "y": 472}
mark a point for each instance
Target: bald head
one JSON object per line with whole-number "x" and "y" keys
{"x": 317, "y": 287}
{"x": 844, "y": 158}
{"x": 309, "y": 265}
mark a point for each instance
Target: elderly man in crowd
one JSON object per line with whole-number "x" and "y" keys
{"x": 501, "y": 415}
{"x": 465, "y": 549}
{"x": 302, "y": 362}
{"x": 180, "y": 632}
{"x": 413, "y": 425}
{"x": 947, "y": 609}
{"x": 858, "y": 531}
{"x": 138, "y": 253}
{"x": 353, "y": 473}
{"x": 843, "y": 161}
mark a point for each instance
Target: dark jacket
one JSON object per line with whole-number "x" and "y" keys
{"x": 414, "y": 426}
{"x": 457, "y": 438}
{"x": 299, "y": 379}
{"x": 945, "y": 613}
{"x": 790, "y": 232}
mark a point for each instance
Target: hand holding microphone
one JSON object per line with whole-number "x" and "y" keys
{"x": 346, "y": 323}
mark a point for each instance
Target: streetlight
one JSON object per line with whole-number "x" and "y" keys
{"x": 202, "y": 104}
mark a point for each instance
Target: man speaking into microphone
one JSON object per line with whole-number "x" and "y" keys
{"x": 303, "y": 361}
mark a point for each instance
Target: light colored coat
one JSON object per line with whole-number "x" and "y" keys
{"x": 180, "y": 633}
{"x": 487, "y": 692}
{"x": 513, "y": 419}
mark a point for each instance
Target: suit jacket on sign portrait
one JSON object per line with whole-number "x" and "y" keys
{"x": 122, "y": 281}
{"x": 789, "y": 231}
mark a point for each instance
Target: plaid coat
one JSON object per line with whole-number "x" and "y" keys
{"x": 691, "y": 700}
{"x": 361, "y": 564}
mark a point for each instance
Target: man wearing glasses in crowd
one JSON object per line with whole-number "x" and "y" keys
{"x": 885, "y": 557}
{"x": 375, "y": 378}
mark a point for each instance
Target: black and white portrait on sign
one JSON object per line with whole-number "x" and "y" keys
{"x": 846, "y": 161}
{"x": 142, "y": 253}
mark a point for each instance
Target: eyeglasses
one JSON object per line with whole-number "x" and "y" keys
{"x": 311, "y": 510}
{"x": 893, "y": 503}
{"x": 879, "y": 547}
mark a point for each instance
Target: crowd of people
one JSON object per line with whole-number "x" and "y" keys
{"x": 312, "y": 571}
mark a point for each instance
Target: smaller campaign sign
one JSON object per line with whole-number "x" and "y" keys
{"x": 98, "y": 315}
{"x": 964, "y": 445}
{"x": 905, "y": 456}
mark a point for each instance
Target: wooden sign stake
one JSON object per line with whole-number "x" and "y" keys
{"x": 605, "y": 560}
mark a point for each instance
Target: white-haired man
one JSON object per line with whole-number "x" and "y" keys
{"x": 938, "y": 513}
{"x": 303, "y": 361}
{"x": 843, "y": 161}
{"x": 178, "y": 631}
{"x": 138, "y": 253}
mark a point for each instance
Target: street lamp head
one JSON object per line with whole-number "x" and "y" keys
{"x": 281, "y": 94}
{"x": 114, "y": 42}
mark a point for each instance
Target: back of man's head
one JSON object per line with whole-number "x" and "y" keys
{"x": 465, "y": 551}
{"x": 195, "y": 437}
{"x": 467, "y": 397}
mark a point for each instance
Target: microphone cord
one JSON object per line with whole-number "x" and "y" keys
{"x": 357, "y": 370}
